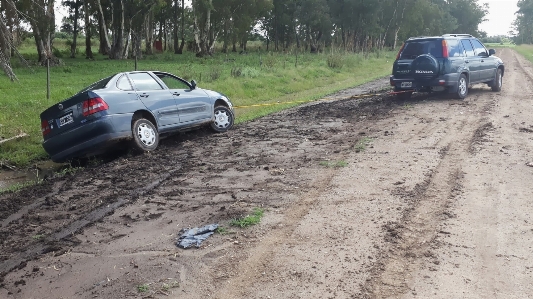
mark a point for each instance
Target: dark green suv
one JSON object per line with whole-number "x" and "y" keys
{"x": 448, "y": 63}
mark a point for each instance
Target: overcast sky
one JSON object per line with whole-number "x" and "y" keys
{"x": 500, "y": 18}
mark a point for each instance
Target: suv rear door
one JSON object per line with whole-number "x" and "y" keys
{"x": 472, "y": 61}
{"x": 486, "y": 63}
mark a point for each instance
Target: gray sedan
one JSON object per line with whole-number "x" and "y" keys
{"x": 137, "y": 106}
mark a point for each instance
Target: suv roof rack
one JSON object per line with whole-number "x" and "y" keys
{"x": 456, "y": 35}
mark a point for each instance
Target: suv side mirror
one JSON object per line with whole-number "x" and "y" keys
{"x": 193, "y": 84}
{"x": 492, "y": 52}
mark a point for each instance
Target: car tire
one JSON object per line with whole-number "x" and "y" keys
{"x": 496, "y": 84}
{"x": 145, "y": 136}
{"x": 224, "y": 119}
{"x": 462, "y": 87}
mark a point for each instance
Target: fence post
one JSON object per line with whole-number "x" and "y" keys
{"x": 47, "y": 78}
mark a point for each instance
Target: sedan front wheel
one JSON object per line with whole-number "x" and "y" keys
{"x": 224, "y": 119}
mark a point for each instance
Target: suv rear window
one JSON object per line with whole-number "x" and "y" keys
{"x": 413, "y": 49}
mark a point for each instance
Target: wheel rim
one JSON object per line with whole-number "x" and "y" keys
{"x": 500, "y": 79}
{"x": 222, "y": 119}
{"x": 462, "y": 86}
{"x": 146, "y": 134}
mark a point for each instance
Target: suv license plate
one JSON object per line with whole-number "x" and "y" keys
{"x": 66, "y": 119}
{"x": 407, "y": 84}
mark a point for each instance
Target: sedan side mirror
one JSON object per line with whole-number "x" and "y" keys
{"x": 492, "y": 52}
{"x": 193, "y": 84}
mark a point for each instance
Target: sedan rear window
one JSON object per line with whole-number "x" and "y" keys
{"x": 98, "y": 85}
{"x": 413, "y": 49}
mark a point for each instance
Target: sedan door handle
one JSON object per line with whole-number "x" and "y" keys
{"x": 467, "y": 61}
{"x": 176, "y": 94}
{"x": 144, "y": 95}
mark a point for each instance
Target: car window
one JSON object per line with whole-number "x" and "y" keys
{"x": 469, "y": 51}
{"x": 98, "y": 85}
{"x": 123, "y": 83}
{"x": 413, "y": 49}
{"x": 172, "y": 82}
{"x": 143, "y": 81}
{"x": 454, "y": 48}
{"x": 479, "y": 48}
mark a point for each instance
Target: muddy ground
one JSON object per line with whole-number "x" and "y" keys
{"x": 362, "y": 198}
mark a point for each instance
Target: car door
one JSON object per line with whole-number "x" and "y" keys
{"x": 194, "y": 105}
{"x": 486, "y": 63}
{"x": 473, "y": 62}
{"x": 156, "y": 98}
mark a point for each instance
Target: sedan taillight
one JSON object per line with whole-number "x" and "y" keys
{"x": 94, "y": 105}
{"x": 45, "y": 128}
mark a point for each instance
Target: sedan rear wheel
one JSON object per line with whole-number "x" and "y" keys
{"x": 224, "y": 119}
{"x": 145, "y": 136}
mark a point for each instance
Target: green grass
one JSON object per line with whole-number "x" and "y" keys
{"x": 249, "y": 220}
{"x": 143, "y": 288}
{"x": 337, "y": 164}
{"x": 499, "y": 45}
{"x": 362, "y": 144}
{"x": 526, "y": 51}
{"x": 19, "y": 186}
{"x": 263, "y": 78}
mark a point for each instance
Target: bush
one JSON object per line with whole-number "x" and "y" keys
{"x": 250, "y": 72}
{"x": 214, "y": 73}
{"x": 335, "y": 61}
{"x": 236, "y": 72}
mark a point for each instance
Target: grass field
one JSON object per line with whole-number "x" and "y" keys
{"x": 526, "y": 51}
{"x": 257, "y": 77}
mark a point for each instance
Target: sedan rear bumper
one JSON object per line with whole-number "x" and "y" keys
{"x": 89, "y": 138}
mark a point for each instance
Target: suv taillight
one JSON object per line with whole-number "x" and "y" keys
{"x": 94, "y": 105}
{"x": 444, "y": 49}
{"x": 45, "y": 127}
{"x": 400, "y": 52}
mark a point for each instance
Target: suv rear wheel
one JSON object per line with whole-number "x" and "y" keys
{"x": 462, "y": 87}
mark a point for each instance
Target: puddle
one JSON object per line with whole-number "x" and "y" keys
{"x": 40, "y": 170}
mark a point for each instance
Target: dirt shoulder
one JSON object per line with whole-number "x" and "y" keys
{"x": 363, "y": 198}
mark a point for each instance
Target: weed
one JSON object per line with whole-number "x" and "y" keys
{"x": 214, "y": 74}
{"x": 407, "y": 106}
{"x": 68, "y": 170}
{"x": 362, "y": 144}
{"x": 222, "y": 230}
{"x": 143, "y": 288}
{"x": 335, "y": 61}
{"x": 19, "y": 186}
{"x": 337, "y": 164}
{"x": 38, "y": 237}
{"x": 270, "y": 61}
{"x": 236, "y": 72}
{"x": 249, "y": 220}
{"x": 250, "y": 72}
{"x": 168, "y": 286}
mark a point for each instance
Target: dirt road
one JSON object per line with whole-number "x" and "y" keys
{"x": 363, "y": 198}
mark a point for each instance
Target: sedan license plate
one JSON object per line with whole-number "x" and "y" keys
{"x": 407, "y": 84}
{"x": 66, "y": 119}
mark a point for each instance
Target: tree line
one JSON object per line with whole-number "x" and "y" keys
{"x": 127, "y": 28}
{"x": 523, "y": 24}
